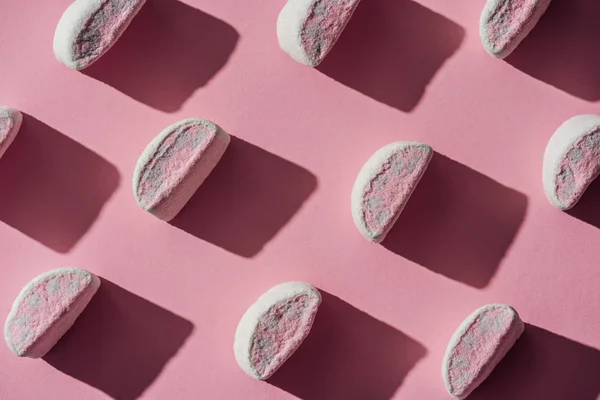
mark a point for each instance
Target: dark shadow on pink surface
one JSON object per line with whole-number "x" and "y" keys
{"x": 587, "y": 209}
{"x": 544, "y": 366}
{"x": 458, "y": 223}
{"x": 53, "y": 187}
{"x": 561, "y": 50}
{"x": 391, "y": 50}
{"x": 247, "y": 199}
{"x": 120, "y": 343}
{"x": 348, "y": 355}
{"x": 169, "y": 50}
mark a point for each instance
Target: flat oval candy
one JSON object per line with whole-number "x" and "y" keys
{"x": 384, "y": 186}
{"x": 89, "y": 28}
{"x": 46, "y": 309}
{"x": 478, "y": 345}
{"x": 175, "y": 164}
{"x": 308, "y": 29}
{"x": 505, "y": 23}
{"x": 10, "y": 123}
{"x": 274, "y": 327}
{"x": 572, "y": 160}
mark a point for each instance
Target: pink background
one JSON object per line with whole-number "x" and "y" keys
{"x": 478, "y": 229}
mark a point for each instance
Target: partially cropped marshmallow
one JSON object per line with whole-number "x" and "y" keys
{"x": 308, "y": 29}
{"x": 46, "y": 309}
{"x": 384, "y": 186}
{"x": 10, "y": 123}
{"x": 572, "y": 160}
{"x": 477, "y": 346}
{"x": 89, "y": 28}
{"x": 175, "y": 164}
{"x": 505, "y": 23}
{"x": 274, "y": 327}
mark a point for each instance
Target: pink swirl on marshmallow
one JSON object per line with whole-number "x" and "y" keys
{"x": 47, "y": 308}
{"x": 281, "y": 331}
{"x": 479, "y": 344}
{"x": 104, "y": 27}
{"x": 579, "y": 167}
{"x": 391, "y": 187}
{"x": 505, "y": 23}
{"x": 324, "y": 25}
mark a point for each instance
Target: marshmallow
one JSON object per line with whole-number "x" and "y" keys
{"x": 384, "y": 186}
{"x": 572, "y": 160}
{"x": 10, "y": 123}
{"x": 89, "y": 28}
{"x": 308, "y": 29}
{"x": 175, "y": 164}
{"x": 505, "y": 23}
{"x": 46, "y": 309}
{"x": 274, "y": 327}
{"x": 478, "y": 345}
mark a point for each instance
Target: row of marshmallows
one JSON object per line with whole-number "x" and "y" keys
{"x": 307, "y": 30}
{"x": 270, "y": 331}
{"x": 176, "y": 163}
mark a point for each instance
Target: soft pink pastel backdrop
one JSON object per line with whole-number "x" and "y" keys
{"x": 478, "y": 230}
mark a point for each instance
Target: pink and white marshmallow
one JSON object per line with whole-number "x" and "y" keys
{"x": 10, "y": 123}
{"x": 89, "y": 28}
{"x": 46, "y": 309}
{"x": 308, "y": 29}
{"x": 478, "y": 345}
{"x": 572, "y": 160}
{"x": 175, "y": 164}
{"x": 505, "y": 23}
{"x": 384, "y": 186}
{"x": 274, "y": 327}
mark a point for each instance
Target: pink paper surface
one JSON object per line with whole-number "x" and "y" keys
{"x": 477, "y": 230}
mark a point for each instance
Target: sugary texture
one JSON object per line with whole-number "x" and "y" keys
{"x": 308, "y": 29}
{"x": 274, "y": 327}
{"x": 390, "y": 189}
{"x": 505, "y": 23}
{"x": 478, "y": 346}
{"x": 89, "y": 28}
{"x": 46, "y": 309}
{"x": 10, "y": 123}
{"x": 172, "y": 160}
{"x": 281, "y": 331}
{"x": 385, "y": 184}
{"x": 572, "y": 160}
{"x": 175, "y": 164}
{"x": 103, "y": 27}
{"x": 578, "y": 168}
{"x": 325, "y": 23}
